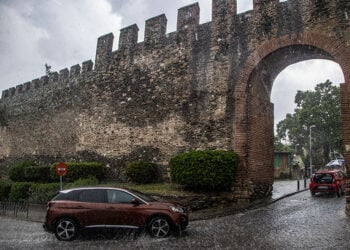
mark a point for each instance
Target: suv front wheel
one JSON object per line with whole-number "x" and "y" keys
{"x": 159, "y": 227}
{"x": 66, "y": 229}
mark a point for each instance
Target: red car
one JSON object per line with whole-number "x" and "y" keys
{"x": 74, "y": 210}
{"x": 328, "y": 181}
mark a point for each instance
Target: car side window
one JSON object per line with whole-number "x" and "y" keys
{"x": 92, "y": 195}
{"x": 70, "y": 196}
{"x": 118, "y": 196}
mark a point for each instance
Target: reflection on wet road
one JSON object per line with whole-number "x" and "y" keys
{"x": 299, "y": 221}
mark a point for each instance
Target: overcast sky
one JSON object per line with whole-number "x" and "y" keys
{"x": 63, "y": 33}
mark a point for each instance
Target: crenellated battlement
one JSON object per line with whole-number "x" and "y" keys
{"x": 64, "y": 76}
{"x": 155, "y": 29}
{"x": 224, "y": 15}
{"x": 188, "y": 17}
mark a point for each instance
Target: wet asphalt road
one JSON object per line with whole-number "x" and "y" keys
{"x": 296, "y": 222}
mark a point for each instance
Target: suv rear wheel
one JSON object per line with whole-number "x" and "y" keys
{"x": 66, "y": 229}
{"x": 159, "y": 227}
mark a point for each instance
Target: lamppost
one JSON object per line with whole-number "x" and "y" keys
{"x": 297, "y": 166}
{"x": 312, "y": 126}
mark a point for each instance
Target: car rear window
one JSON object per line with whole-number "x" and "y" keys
{"x": 323, "y": 178}
{"x": 84, "y": 195}
{"x": 67, "y": 196}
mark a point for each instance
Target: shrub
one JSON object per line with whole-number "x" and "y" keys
{"x": 41, "y": 193}
{"x": 37, "y": 173}
{"x": 17, "y": 171}
{"x": 80, "y": 170}
{"x": 204, "y": 170}
{"x": 90, "y": 181}
{"x": 284, "y": 176}
{"x": 20, "y": 191}
{"x": 5, "y": 189}
{"x": 142, "y": 172}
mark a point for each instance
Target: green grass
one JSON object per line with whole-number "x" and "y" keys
{"x": 163, "y": 188}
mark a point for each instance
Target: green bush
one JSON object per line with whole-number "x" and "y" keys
{"x": 41, "y": 193}
{"x": 90, "y": 181}
{"x": 20, "y": 191}
{"x": 28, "y": 171}
{"x": 37, "y": 174}
{"x": 80, "y": 170}
{"x": 5, "y": 189}
{"x": 142, "y": 172}
{"x": 17, "y": 171}
{"x": 204, "y": 170}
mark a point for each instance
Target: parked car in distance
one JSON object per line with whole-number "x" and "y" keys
{"x": 78, "y": 209}
{"x": 328, "y": 181}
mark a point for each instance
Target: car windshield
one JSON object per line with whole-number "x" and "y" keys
{"x": 143, "y": 196}
{"x": 323, "y": 178}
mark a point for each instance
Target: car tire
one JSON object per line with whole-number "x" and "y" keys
{"x": 66, "y": 229}
{"x": 159, "y": 227}
{"x": 313, "y": 193}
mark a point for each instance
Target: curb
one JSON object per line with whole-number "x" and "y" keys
{"x": 287, "y": 195}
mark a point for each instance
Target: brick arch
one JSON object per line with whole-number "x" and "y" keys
{"x": 333, "y": 50}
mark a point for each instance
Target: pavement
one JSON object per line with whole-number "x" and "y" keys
{"x": 281, "y": 189}
{"x": 285, "y": 188}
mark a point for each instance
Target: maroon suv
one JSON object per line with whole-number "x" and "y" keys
{"x": 328, "y": 181}
{"x": 73, "y": 210}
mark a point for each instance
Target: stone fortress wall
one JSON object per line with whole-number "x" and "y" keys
{"x": 203, "y": 86}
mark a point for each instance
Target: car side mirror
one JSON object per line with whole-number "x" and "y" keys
{"x": 136, "y": 202}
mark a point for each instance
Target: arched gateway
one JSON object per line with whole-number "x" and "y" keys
{"x": 254, "y": 114}
{"x": 204, "y": 86}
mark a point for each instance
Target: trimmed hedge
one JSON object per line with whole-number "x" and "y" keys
{"x": 43, "y": 192}
{"x": 142, "y": 172}
{"x": 17, "y": 171}
{"x": 80, "y": 170}
{"x": 5, "y": 189}
{"x": 204, "y": 170}
{"x": 20, "y": 191}
{"x": 28, "y": 171}
{"x": 38, "y": 193}
{"x": 90, "y": 181}
{"x": 37, "y": 174}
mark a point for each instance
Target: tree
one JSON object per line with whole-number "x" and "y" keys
{"x": 280, "y": 147}
{"x": 321, "y": 108}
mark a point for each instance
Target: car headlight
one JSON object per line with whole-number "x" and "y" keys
{"x": 177, "y": 209}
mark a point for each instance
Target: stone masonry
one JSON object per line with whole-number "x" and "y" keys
{"x": 204, "y": 86}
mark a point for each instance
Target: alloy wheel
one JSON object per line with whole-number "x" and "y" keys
{"x": 66, "y": 230}
{"x": 159, "y": 227}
